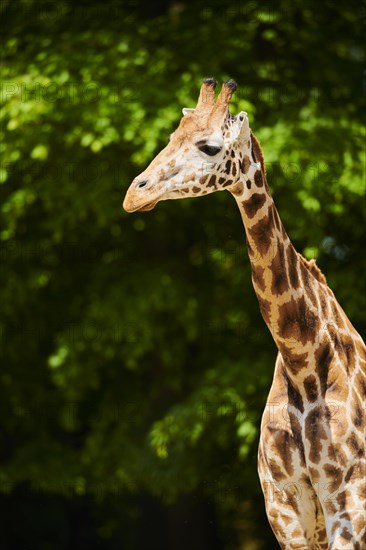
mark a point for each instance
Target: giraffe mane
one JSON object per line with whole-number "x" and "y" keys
{"x": 314, "y": 269}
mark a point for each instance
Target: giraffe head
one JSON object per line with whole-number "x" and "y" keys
{"x": 209, "y": 151}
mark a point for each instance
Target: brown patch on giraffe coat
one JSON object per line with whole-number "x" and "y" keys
{"x": 296, "y": 532}
{"x": 294, "y": 361}
{"x": 308, "y": 281}
{"x": 349, "y": 473}
{"x": 356, "y": 446}
{"x": 346, "y": 535}
{"x": 344, "y": 515}
{"x": 234, "y": 170}
{"x": 237, "y": 189}
{"x": 332, "y": 330}
{"x": 358, "y": 416}
{"x": 258, "y": 178}
{"x": 292, "y": 263}
{"x": 329, "y": 507}
{"x": 203, "y": 179}
{"x": 277, "y": 471}
{"x": 336, "y": 476}
{"x": 297, "y": 321}
{"x": 222, "y": 180}
{"x": 227, "y": 183}
{"x": 258, "y": 277}
{"x": 297, "y": 435}
{"x": 212, "y": 181}
{"x": 293, "y": 395}
{"x": 262, "y": 233}
{"x": 253, "y": 204}
{"x": 287, "y": 439}
{"x": 311, "y": 388}
{"x": 345, "y": 347}
{"x": 349, "y": 350}
{"x": 245, "y": 164}
{"x": 314, "y": 474}
{"x": 333, "y": 416}
{"x": 227, "y": 166}
{"x": 284, "y": 447}
{"x": 305, "y": 479}
{"x": 337, "y": 454}
{"x": 315, "y": 433}
{"x": 249, "y": 184}
{"x": 196, "y": 189}
{"x": 324, "y": 305}
{"x": 279, "y": 274}
{"x": 323, "y": 357}
{"x": 287, "y": 520}
{"x": 292, "y": 497}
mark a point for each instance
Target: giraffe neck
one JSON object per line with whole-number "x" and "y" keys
{"x": 291, "y": 291}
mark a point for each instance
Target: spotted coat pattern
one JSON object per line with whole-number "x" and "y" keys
{"x": 311, "y": 458}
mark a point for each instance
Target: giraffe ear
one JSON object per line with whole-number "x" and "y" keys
{"x": 241, "y": 130}
{"x": 187, "y": 110}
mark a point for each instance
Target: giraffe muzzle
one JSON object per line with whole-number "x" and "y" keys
{"x": 131, "y": 206}
{"x": 137, "y": 198}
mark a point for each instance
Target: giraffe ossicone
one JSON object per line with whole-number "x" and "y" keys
{"x": 311, "y": 459}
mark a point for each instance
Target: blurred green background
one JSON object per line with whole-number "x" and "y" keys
{"x": 134, "y": 361}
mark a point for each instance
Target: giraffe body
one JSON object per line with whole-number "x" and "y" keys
{"x": 311, "y": 458}
{"x": 310, "y": 482}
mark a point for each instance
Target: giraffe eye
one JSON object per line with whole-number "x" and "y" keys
{"x": 210, "y": 150}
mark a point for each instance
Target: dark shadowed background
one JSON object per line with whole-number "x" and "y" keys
{"x": 134, "y": 361}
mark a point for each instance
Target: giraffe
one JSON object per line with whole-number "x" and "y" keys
{"x": 311, "y": 457}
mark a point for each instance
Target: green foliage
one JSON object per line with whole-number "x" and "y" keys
{"x": 133, "y": 353}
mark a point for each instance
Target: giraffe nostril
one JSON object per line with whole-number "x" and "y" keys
{"x": 141, "y": 184}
